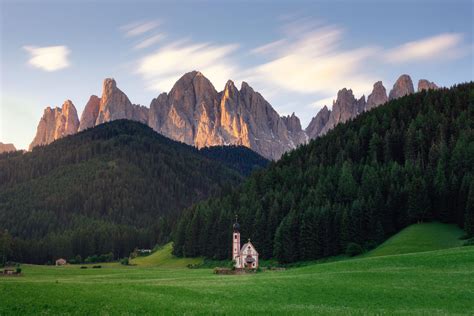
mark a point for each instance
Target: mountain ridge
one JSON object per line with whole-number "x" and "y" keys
{"x": 195, "y": 113}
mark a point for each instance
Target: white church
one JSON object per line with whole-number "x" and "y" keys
{"x": 245, "y": 257}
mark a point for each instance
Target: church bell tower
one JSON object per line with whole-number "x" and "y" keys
{"x": 236, "y": 242}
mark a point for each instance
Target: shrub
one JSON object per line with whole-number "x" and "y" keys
{"x": 96, "y": 267}
{"x": 354, "y": 249}
{"x": 83, "y": 267}
{"x": 469, "y": 242}
{"x": 18, "y": 269}
{"x": 125, "y": 261}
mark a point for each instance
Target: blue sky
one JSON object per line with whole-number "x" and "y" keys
{"x": 298, "y": 54}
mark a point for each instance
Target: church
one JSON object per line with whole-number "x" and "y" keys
{"x": 245, "y": 257}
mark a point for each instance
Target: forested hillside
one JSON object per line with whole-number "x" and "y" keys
{"x": 239, "y": 158}
{"x": 407, "y": 161}
{"x": 108, "y": 189}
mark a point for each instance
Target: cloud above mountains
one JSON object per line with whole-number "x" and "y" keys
{"x": 308, "y": 59}
{"x": 442, "y": 46}
{"x": 49, "y": 58}
{"x": 163, "y": 67}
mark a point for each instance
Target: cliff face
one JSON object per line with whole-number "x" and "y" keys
{"x": 4, "y": 148}
{"x": 424, "y": 84}
{"x": 114, "y": 104}
{"x": 56, "y": 123}
{"x": 347, "y": 107}
{"x": 90, "y": 113}
{"x": 402, "y": 87}
{"x": 195, "y": 113}
{"x": 344, "y": 108}
{"x": 377, "y": 97}
{"x": 295, "y": 132}
{"x": 318, "y": 122}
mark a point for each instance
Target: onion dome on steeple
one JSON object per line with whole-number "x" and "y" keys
{"x": 236, "y": 225}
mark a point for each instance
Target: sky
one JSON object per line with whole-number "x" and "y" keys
{"x": 297, "y": 54}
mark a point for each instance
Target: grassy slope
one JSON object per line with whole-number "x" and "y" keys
{"x": 420, "y": 237}
{"x": 430, "y": 283}
{"x": 164, "y": 259}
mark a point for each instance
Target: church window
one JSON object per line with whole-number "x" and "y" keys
{"x": 235, "y": 237}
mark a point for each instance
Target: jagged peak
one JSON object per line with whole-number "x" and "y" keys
{"x": 245, "y": 86}
{"x": 229, "y": 84}
{"x": 109, "y": 83}
{"x": 424, "y": 84}
{"x": 402, "y": 87}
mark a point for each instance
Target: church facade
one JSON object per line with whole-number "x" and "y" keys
{"x": 245, "y": 257}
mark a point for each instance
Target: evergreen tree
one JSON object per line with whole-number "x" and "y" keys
{"x": 469, "y": 213}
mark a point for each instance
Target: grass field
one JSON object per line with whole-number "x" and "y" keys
{"x": 420, "y": 237}
{"x": 163, "y": 258}
{"x": 436, "y": 282}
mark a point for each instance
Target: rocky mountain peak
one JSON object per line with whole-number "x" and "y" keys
{"x": 114, "y": 104}
{"x": 402, "y": 87}
{"x": 377, "y": 97}
{"x": 318, "y": 122}
{"x": 295, "y": 132}
{"x": 4, "y": 148}
{"x": 108, "y": 85}
{"x": 344, "y": 108}
{"x": 90, "y": 113}
{"x": 424, "y": 84}
{"x": 56, "y": 123}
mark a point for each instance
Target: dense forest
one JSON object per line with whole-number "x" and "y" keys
{"x": 106, "y": 190}
{"x": 407, "y": 161}
{"x": 241, "y": 159}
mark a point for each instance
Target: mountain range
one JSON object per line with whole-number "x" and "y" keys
{"x": 195, "y": 113}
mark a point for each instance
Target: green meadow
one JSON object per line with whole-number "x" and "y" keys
{"x": 433, "y": 282}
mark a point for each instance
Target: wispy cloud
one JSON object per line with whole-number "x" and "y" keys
{"x": 139, "y": 28}
{"x": 150, "y": 41}
{"x": 163, "y": 67}
{"x": 447, "y": 45}
{"x": 50, "y": 58}
{"x": 269, "y": 48}
{"x": 310, "y": 59}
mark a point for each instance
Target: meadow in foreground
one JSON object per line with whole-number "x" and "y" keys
{"x": 430, "y": 283}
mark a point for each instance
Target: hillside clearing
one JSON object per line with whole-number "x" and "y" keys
{"x": 419, "y": 238}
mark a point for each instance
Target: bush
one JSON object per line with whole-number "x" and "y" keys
{"x": 125, "y": 261}
{"x": 96, "y": 267}
{"x": 83, "y": 267}
{"x": 18, "y": 269}
{"x": 469, "y": 242}
{"x": 354, "y": 249}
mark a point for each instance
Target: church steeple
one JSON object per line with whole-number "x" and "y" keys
{"x": 236, "y": 225}
{"x": 236, "y": 242}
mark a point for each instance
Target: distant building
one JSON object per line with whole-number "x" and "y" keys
{"x": 61, "y": 262}
{"x": 245, "y": 257}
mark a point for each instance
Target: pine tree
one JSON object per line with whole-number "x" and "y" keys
{"x": 347, "y": 187}
{"x": 469, "y": 213}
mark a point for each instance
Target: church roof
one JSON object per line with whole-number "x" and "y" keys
{"x": 246, "y": 245}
